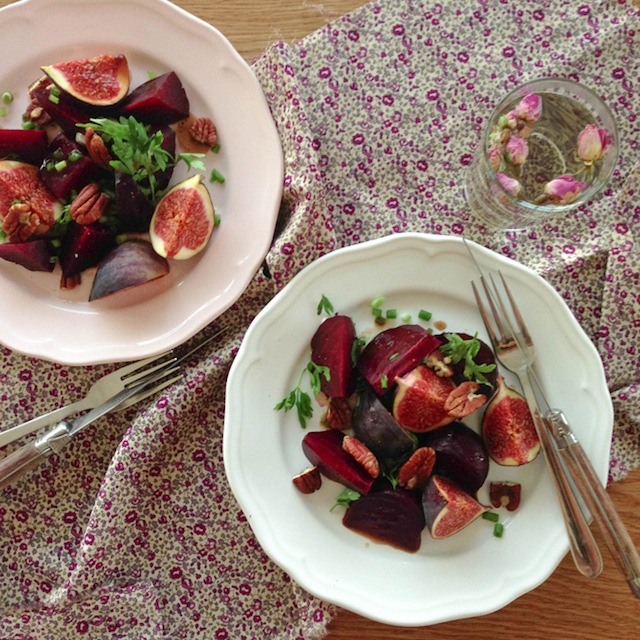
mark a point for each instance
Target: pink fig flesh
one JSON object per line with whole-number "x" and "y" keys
{"x": 332, "y": 347}
{"x": 447, "y": 508}
{"x": 390, "y": 516}
{"x": 508, "y": 429}
{"x": 394, "y": 352}
{"x": 324, "y": 450}
{"x": 419, "y": 403}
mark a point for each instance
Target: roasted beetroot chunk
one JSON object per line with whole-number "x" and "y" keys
{"x": 159, "y": 100}
{"x": 27, "y": 145}
{"x": 324, "y": 450}
{"x": 35, "y": 255}
{"x": 84, "y": 246}
{"x": 332, "y": 347}
{"x": 394, "y": 352}
{"x": 390, "y": 516}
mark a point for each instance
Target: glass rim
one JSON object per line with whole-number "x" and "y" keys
{"x": 612, "y": 150}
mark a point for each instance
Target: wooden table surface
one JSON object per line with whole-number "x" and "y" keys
{"x": 567, "y": 606}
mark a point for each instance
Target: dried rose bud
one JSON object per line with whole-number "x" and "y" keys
{"x": 510, "y": 185}
{"x": 517, "y": 150}
{"x": 529, "y": 108}
{"x": 495, "y": 157}
{"x": 508, "y": 121}
{"x": 563, "y": 189}
{"x": 591, "y": 143}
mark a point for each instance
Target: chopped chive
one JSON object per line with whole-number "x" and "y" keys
{"x": 217, "y": 220}
{"x": 377, "y": 303}
{"x": 393, "y": 356}
{"x": 54, "y": 91}
{"x": 58, "y": 154}
{"x": 75, "y": 155}
{"x": 54, "y": 98}
{"x": 151, "y": 74}
{"x": 391, "y": 314}
{"x": 405, "y": 317}
{"x": 7, "y": 97}
{"x": 384, "y": 382}
{"x": 491, "y": 515}
{"x": 215, "y": 148}
{"x": 498, "y": 529}
{"x": 216, "y": 176}
{"x": 60, "y": 166}
{"x": 424, "y": 315}
{"x": 377, "y": 312}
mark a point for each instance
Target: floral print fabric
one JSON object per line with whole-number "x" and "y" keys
{"x": 132, "y": 531}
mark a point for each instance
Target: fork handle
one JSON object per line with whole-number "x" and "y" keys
{"x": 582, "y": 544}
{"x": 614, "y": 532}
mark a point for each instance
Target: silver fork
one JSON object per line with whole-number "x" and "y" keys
{"x": 514, "y": 349}
{"x": 103, "y": 388}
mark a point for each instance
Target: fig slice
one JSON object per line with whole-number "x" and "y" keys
{"x": 101, "y": 81}
{"x": 394, "y": 352}
{"x": 378, "y": 429}
{"x": 390, "y": 516}
{"x": 21, "y": 182}
{"x": 447, "y": 508}
{"x": 35, "y": 255}
{"x": 159, "y": 100}
{"x": 183, "y": 220}
{"x": 508, "y": 429}
{"x": 419, "y": 403}
{"x": 461, "y": 455}
{"x": 324, "y": 450}
{"x": 332, "y": 347}
{"x": 130, "y": 264}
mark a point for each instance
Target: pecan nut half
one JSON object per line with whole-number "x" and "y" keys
{"x": 338, "y": 414}
{"x": 361, "y": 453}
{"x": 20, "y": 223}
{"x": 464, "y": 400}
{"x": 89, "y": 205}
{"x": 308, "y": 481}
{"x": 203, "y": 130}
{"x": 417, "y": 469}
{"x": 97, "y": 148}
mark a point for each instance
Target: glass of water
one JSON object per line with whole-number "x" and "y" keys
{"x": 550, "y": 146}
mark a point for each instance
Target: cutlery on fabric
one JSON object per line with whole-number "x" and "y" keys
{"x": 104, "y": 388}
{"x": 514, "y": 350}
{"x": 167, "y": 369}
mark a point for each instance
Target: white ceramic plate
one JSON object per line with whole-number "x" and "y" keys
{"x": 156, "y": 36}
{"x": 470, "y": 573}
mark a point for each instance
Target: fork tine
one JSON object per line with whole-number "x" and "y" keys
{"x": 485, "y": 317}
{"x": 139, "y": 365}
{"x": 144, "y": 369}
{"x": 516, "y": 311}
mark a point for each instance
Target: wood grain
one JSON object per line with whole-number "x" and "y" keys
{"x": 567, "y": 606}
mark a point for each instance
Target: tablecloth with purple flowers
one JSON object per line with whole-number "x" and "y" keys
{"x": 132, "y": 531}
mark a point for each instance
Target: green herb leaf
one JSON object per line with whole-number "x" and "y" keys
{"x": 459, "y": 349}
{"x": 300, "y": 400}
{"x": 345, "y": 498}
{"x": 315, "y": 371}
{"x": 325, "y": 305}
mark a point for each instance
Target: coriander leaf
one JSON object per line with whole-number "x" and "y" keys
{"x": 345, "y": 498}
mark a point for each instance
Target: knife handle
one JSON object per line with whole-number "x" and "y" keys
{"x": 597, "y": 499}
{"x": 33, "y": 454}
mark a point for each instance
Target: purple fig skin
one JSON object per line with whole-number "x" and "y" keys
{"x": 393, "y": 353}
{"x": 461, "y": 455}
{"x": 447, "y": 508}
{"x": 324, "y": 450}
{"x": 377, "y": 428}
{"x": 35, "y": 255}
{"x": 332, "y": 347}
{"x": 508, "y": 429}
{"x": 84, "y": 246}
{"x": 129, "y": 265}
{"x": 391, "y": 516}
{"x": 160, "y": 100}
{"x": 27, "y": 145}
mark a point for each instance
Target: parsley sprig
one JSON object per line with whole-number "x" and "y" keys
{"x": 300, "y": 399}
{"x": 138, "y": 151}
{"x": 458, "y": 349}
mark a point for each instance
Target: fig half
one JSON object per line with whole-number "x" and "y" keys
{"x": 101, "y": 81}
{"x": 508, "y": 429}
{"x": 447, "y": 508}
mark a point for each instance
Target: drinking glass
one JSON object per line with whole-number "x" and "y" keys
{"x": 566, "y": 108}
